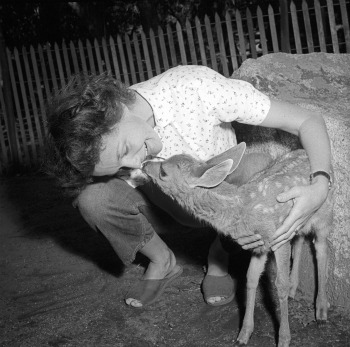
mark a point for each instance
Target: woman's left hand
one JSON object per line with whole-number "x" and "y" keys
{"x": 307, "y": 200}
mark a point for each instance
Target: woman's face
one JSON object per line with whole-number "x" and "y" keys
{"x": 127, "y": 145}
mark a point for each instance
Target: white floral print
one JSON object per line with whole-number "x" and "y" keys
{"x": 194, "y": 105}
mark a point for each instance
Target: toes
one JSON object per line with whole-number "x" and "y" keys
{"x": 215, "y": 299}
{"x": 133, "y": 302}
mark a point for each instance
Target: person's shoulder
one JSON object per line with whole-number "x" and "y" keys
{"x": 192, "y": 71}
{"x": 184, "y": 76}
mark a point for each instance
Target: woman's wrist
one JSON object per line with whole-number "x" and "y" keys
{"x": 322, "y": 183}
{"x": 321, "y": 176}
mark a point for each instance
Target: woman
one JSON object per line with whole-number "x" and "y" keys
{"x": 97, "y": 127}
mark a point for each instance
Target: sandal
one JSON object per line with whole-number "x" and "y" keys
{"x": 148, "y": 291}
{"x": 223, "y": 286}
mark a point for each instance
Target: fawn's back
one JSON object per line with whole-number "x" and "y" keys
{"x": 260, "y": 212}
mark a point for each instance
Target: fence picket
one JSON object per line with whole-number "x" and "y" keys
{"x": 212, "y": 50}
{"x": 154, "y": 51}
{"x": 181, "y": 43}
{"x": 66, "y": 59}
{"x": 73, "y": 53}
{"x": 201, "y": 42}
{"x": 59, "y": 64}
{"x": 332, "y": 26}
{"x": 192, "y": 47}
{"x": 345, "y": 21}
{"x": 138, "y": 56}
{"x": 146, "y": 53}
{"x": 114, "y": 59}
{"x": 163, "y": 48}
{"x": 51, "y": 66}
{"x": 22, "y": 142}
{"x": 222, "y": 50}
{"x": 5, "y": 150}
{"x": 44, "y": 72}
{"x": 171, "y": 45}
{"x": 25, "y": 106}
{"x": 273, "y": 30}
{"x": 34, "y": 114}
{"x": 123, "y": 61}
{"x": 261, "y": 26}
{"x": 320, "y": 28}
{"x": 106, "y": 56}
{"x": 90, "y": 57}
{"x": 82, "y": 56}
{"x": 39, "y": 91}
{"x": 308, "y": 30}
{"x": 241, "y": 38}
{"x": 98, "y": 56}
{"x": 251, "y": 34}
{"x": 295, "y": 25}
{"x": 231, "y": 41}
{"x": 130, "y": 59}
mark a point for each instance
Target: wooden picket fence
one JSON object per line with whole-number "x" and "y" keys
{"x": 33, "y": 73}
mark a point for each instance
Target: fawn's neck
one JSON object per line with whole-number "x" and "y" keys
{"x": 219, "y": 211}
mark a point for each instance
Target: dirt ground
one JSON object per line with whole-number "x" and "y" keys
{"x": 62, "y": 285}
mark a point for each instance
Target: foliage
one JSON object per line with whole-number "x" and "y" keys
{"x": 43, "y": 21}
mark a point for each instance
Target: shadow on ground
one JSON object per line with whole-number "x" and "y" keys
{"x": 62, "y": 285}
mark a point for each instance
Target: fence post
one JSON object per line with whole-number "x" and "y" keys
{"x": 9, "y": 110}
{"x": 284, "y": 23}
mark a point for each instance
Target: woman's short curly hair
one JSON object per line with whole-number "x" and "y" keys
{"x": 78, "y": 115}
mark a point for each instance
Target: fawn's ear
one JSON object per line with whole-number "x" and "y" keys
{"x": 213, "y": 176}
{"x": 235, "y": 153}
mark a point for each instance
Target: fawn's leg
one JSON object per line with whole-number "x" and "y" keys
{"x": 296, "y": 254}
{"x": 256, "y": 267}
{"x": 282, "y": 256}
{"x": 321, "y": 248}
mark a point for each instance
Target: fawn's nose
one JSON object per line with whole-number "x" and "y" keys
{"x": 150, "y": 161}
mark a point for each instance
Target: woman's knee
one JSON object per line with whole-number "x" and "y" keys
{"x": 96, "y": 199}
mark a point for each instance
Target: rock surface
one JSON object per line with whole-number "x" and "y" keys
{"x": 320, "y": 82}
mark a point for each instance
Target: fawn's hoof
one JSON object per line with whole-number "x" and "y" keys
{"x": 243, "y": 337}
{"x": 321, "y": 314}
{"x": 321, "y": 322}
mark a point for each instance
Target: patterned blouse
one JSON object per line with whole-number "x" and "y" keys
{"x": 193, "y": 107}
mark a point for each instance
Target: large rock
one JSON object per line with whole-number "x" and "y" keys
{"x": 319, "y": 82}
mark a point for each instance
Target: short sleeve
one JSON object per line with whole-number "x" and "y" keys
{"x": 234, "y": 100}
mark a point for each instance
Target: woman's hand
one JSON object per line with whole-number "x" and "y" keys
{"x": 250, "y": 242}
{"x": 307, "y": 200}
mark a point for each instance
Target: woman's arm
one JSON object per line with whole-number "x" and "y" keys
{"x": 311, "y": 129}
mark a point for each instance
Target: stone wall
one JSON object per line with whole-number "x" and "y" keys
{"x": 319, "y": 82}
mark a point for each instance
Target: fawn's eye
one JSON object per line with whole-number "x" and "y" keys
{"x": 162, "y": 173}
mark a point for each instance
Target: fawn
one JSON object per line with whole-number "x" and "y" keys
{"x": 251, "y": 209}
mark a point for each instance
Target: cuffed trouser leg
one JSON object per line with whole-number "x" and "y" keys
{"x": 121, "y": 213}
